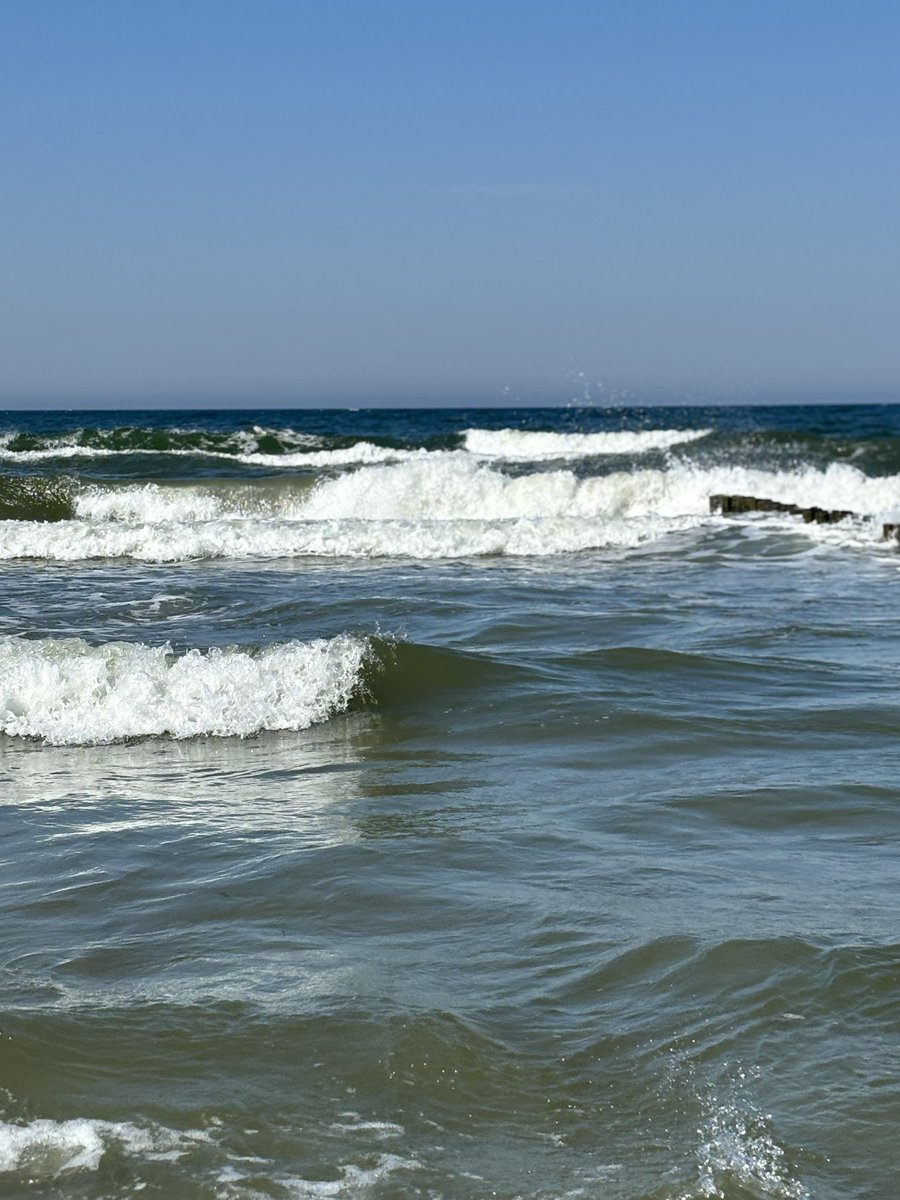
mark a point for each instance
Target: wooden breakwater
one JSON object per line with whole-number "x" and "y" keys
{"x": 813, "y": 515}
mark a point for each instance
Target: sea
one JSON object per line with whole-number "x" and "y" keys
{"x": 448, "y": 804}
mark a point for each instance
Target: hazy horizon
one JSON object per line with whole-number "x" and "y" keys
{"x": 364, "y": 403}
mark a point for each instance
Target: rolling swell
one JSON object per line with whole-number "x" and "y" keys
{"x": 402, "y": 673}
{"x": 65, "y": 691}
{"x": 471, "y": 1099}
{"x": 254, "y": 446}
{"x": 780, "y": 450}
{"x": 134, "y": 439}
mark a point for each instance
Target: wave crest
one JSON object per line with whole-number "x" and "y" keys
{"x": 67, "y": 692}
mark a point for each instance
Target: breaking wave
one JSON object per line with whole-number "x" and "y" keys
{"x": 437, "y": 505}
{"x": 65, "y": 691}
{"x": 453, "y": 487}
{"x": 519, "y": 445}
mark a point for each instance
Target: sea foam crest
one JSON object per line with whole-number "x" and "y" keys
{"x": 450, "y": 487}
{"x": 453, "y": 487}
{"x": 359, "y": 454}
{"x": 148, "y": 503}
{"x": 66, "y": 691}
{"x": 525, "y": 445}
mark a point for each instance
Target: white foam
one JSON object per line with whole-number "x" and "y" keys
{"x": 268, "y": 539}
{"x": 354, "y": 1180}
{"x": 148, "y": 503}
{"x": 355, "y": 1124}
{"x": 523, "y": 445}
{"x": 454, "y": 487}
{"x": 68, "y": 692}
{"x": 45, "y": 1148}
{"x": 840, "y": 486}
{"x": 49, "y": 1147}
{"x": 447, "y": 486}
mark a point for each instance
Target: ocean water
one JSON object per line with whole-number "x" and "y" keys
{"x": 447, "y": 804}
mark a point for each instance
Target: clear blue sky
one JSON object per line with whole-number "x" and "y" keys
{"x": 351, "y": 200}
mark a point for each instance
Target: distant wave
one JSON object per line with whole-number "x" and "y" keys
{"x": 264, "y": 447}
{"x": 520, "y": 445}
{"x": 135, "y": 439}
{"x": 66, "y": 691}
{"x": 256, "y": 447}
{"x": 359, "y": 453}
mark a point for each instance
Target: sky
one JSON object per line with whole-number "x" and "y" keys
{"x": 438, "y": 201}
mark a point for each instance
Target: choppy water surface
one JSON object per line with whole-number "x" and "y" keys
{"x": 446, "y": 804}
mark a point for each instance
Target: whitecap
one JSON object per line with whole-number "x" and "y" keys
{"x": 526, "y": 445}
{"x": 66, "y": 691}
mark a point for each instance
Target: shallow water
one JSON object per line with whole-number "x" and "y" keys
{"x": 557, "y": 854}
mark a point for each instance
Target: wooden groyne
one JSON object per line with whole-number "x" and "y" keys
{"x": 747, "y": 504}
{"x": 731, "y": 505}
